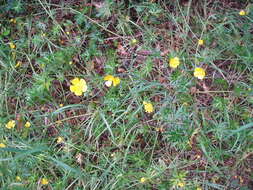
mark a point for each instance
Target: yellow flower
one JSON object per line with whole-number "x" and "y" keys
{"x": 242, "y": 13}
{"x": 111, "y": 80}
{"x": 78, "y": 86}
{"x": 12, "y": 45}
{"x": 18, "y": 64}
{"x": 200, "y": 42}
{"x": 68, "y": 33}
{"x": 13, "y": 20}
{"x": 174, "y": 62}
{"x": 27, "y": 124}
{"x": 18, "y": 178}
{"x": 61, "y": 105}
{"x": 148, "y": 107}
{"x": 11, "y": 124}
{"x": 199, "y": 73}
{"x": 134, "y": 42}
{"x": 44, "y": 181}
{"x": 2, "y": 145}
{"x": 143, "y": 180}
{"x": 71, "y": 62}
{"x": 60, "y": 140}
{"x": 199, "y": 188}
{"x": 181, "y": 184}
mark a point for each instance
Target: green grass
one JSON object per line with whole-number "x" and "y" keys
{"x": 199, "y": 135}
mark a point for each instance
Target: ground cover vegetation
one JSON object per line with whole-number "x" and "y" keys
{"x": 113, "y": 94}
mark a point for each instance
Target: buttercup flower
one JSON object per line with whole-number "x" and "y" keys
{"x": 61, "y": 105}
{"x": 143, "y": 180}
{"x": 200, "y": 42}
{"x": 78, "y": 86}
{"x": 181, "y": 184}
{"x": 44, "y": 181}
{"x": 27, "y": 124}
{"x": 2, "y": 145}
{"x": 174, "y": 62}
{"x": 60, "y": 140}
{"x": 199, "y": 73}
{"x": 13, "y": 20}
{"x": 12, "y": 45}
{"x": 11, "y": 124}
{"x": 111, "y": 80}
{"x": 148, "y": 107}
{"x": 134, "y": 42}
{"x": 18, "y": 178}
{"x": 242, "y": 13}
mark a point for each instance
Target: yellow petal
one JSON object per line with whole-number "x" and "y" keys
{"x": 108, "y": 77}
{"x": 60, "y": 140}
{"x": 18, "y": 64}
{"x": 13, "y": 20}
{"x": 200, "y": 42}
{"x": 82, "y": 82}
{"x": 44, "y": 181}
{"x": 242, "y": 13}
{"x": 78, "y": 92}
{"x": 75, "y": 81}
{"x": 18, "y": 178}
{"x": 83, "y": 85}
{"x": 116, "y": 81}
{"x": 11, "y": 124}
{"x": 181, "y": 184}
{"x": 72, "y": 88}
{"x": 2, "y": 145}
{"x": 12, "y": 45}
{"x": 143, "y": 180}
